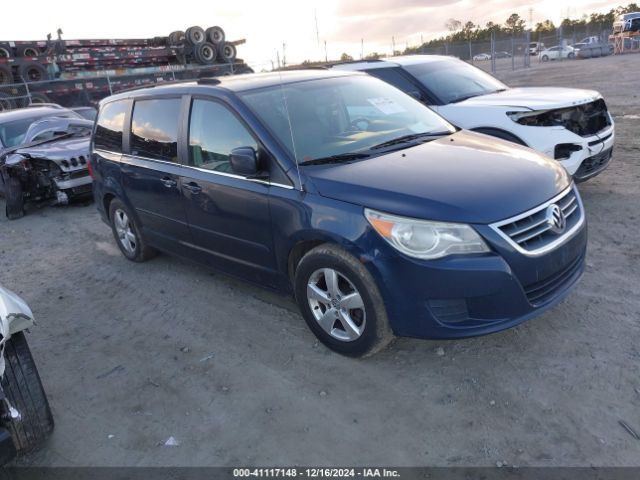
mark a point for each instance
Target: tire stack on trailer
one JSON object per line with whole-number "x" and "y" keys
{"x": 25, "y": 66}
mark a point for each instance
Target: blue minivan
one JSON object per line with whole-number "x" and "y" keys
{"x": 377, "y": 214}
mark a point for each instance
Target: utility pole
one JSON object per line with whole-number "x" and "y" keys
{"x": 278, "y": 58}
{"x": 284, "y": 55}
{"x": 393, "y": 46}
{"x": 530, "y": 18}
{"x": 361, "y": 48}
{"x": 326, "y": 58}
{"x": 315, "y": 14}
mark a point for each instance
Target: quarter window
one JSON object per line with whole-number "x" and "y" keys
{"x": 110, "y": 126}
{"x": 214, "y": 131}
{"x": 154, "y": 129}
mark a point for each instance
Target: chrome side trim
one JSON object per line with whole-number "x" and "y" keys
{"x": 552, "y": 245}
{"x": 204, "y": 170}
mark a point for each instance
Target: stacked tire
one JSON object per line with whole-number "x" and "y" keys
{"x": 206, "y": 46}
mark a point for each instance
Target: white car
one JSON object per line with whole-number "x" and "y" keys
{"x": 555, "y": 53}
{"x": 482, "y": 56}
{"x": 571, "y": 125}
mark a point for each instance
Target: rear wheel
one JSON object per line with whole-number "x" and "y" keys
{"x": 127, "y": 233}
{"x": 545, "y": 58}
{"x": 30, "y": 421}
{"x": 341, "y": 303}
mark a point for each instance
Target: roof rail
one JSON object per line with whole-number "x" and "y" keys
{"x": 209, "y": 81}
{"x": 50, "y": 105}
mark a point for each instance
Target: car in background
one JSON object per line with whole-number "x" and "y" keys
{"x": 535, "y": 48}
{"x": 571, "y": 125}
{"x": 628, "y": 22}
{"x": 502, "y": 54}
{"x": 376, "y": 213}
{"x": 482, "y": 56}
{"x": 44, "y": 152}
{"x": 556, "y": 53}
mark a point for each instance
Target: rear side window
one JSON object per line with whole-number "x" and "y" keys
{"x": 110, "y": 126}
{"x": 154, "y": 129}
{"x": 213, "y": 132}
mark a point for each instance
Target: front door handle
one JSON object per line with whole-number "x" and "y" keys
{"x": 193, "y": 187}
{"x": 169, "y": 182}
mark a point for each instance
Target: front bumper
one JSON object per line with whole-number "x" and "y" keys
{"x": 464, "y": 296}
{"x": 545, "y": 139}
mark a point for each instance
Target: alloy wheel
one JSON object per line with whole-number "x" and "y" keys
{"x": 126, "y": 237}
{"x": 336, "y": 304}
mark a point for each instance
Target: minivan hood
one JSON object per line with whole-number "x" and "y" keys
{"x": 464, "y": 177}
{"x": 535, "y": 98}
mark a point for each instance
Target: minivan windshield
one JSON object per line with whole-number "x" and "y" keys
{"x": 343, "y": 118}
{"x": 454, "y": 80}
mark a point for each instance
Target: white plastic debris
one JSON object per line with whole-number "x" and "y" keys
{"x": 171, "y": 442}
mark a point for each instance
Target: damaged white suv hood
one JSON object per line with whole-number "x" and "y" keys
{"x": 534, "y": 98}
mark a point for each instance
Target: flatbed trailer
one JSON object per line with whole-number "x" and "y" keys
{"x": 82, "y": 72}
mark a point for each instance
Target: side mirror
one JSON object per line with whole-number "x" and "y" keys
{"x": 244, "y": 161}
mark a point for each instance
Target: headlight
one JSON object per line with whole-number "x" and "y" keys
{"x": 424, "y": 239}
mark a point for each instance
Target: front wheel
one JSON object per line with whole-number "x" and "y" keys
{"x": 14, "y": 198}
{"x": 29, "y": 421}
{"x": 571, "y": 55}
{"x": 341, "y": 303}
{"x": 545, "y": 58}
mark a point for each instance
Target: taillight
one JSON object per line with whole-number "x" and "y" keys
{"x": 89, "y": 167}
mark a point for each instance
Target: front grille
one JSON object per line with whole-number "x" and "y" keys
{"x": 531, "y": 233}
{"x": 593, "y": 165}
{"x": 545, "y": 290}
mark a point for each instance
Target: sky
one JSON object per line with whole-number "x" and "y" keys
{"x": 284, "y": 27}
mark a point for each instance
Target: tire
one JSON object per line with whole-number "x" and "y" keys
{"x": 5, "y": 52}
{"x": 195, "y": 35}
{"x": 176, "y": 38}
{"x": 494, "y": 132}
{"x": 6, "y": 77}
{"x": 227, "y": 53}
{"x": 571, "y": 56}
{"x": 370, "y": 331}
{"x": 32, "y": 72}
{"x": 205, "y": 53}
{"x": 14, "y": 198}
{"x": 215, "y": 35}
{"x": 127, "y": 233}
{"x": 37, "y": 98}
{"x": 7, "y": 102}
{"x": 29, "y": 51}
{"x": 23, "y": 388}
{"x": 545, "y": 58}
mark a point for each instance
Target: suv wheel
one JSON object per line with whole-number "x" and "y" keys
{"x": 341, "y": 303}
{"x": 127, "y": 233}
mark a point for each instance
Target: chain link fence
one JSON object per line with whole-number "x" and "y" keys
{"x": 524, "y": 50}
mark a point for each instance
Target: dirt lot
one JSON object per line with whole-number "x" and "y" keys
{"x": 134, "y": 354}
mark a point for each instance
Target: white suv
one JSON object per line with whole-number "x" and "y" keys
{"x": 571, "y": 125}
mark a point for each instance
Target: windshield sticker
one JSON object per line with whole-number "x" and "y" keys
{"x": 386, "y": 105}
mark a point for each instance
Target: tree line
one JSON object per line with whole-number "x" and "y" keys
{"x": 515, "y": 25}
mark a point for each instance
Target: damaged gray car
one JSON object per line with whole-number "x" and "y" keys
{"x": 44, "y": 154}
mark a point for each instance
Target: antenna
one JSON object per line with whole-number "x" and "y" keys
{"x": 293, "y": 142}
{"x": 315, "y": 14}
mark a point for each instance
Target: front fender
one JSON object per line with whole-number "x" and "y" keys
{"x": 14, "y": 312}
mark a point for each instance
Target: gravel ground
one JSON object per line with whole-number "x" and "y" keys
{"x": 133, "y": 354}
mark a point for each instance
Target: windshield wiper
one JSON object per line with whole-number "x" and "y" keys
{"x": 339, "y": 158}
{"x": 465, "y": 97}
{"x": 408, "y": 138}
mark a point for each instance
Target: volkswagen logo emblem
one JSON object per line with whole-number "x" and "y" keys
{"x": 555, "y": 219}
